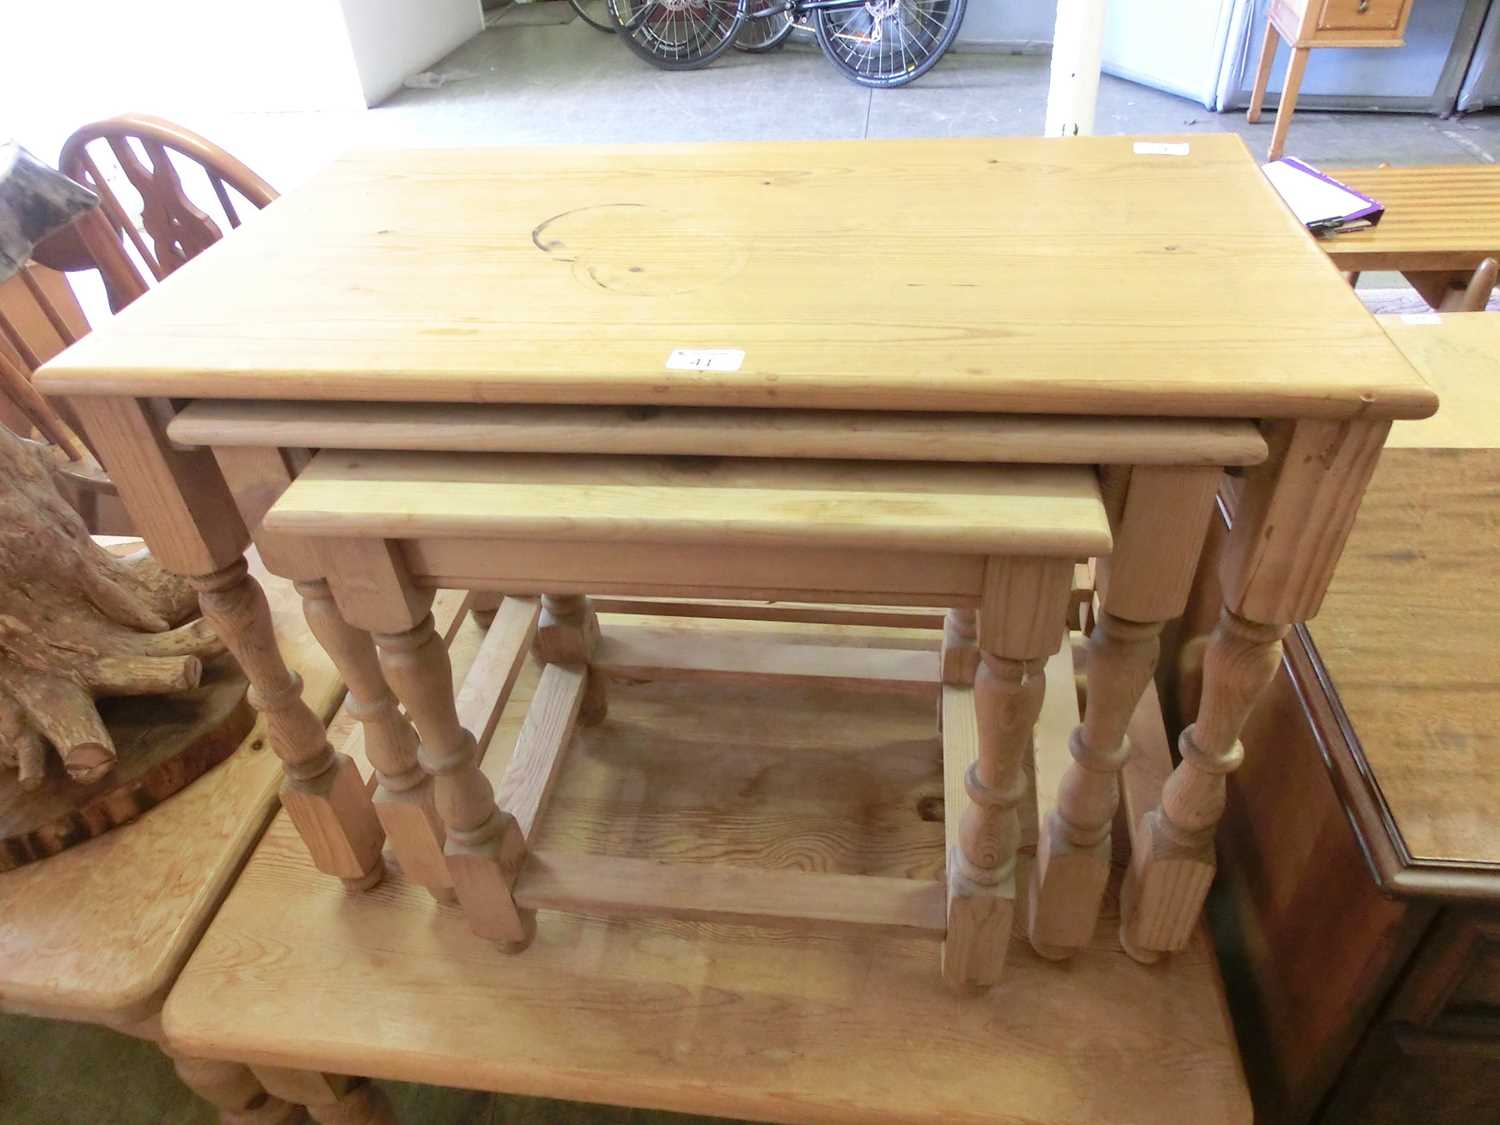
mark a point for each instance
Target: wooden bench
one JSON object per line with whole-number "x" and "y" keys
{"x": 1441, "y": 230}
{"x": 1001, "y": 540}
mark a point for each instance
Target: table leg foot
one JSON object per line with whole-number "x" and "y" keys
{"x": 331, "y": 1099}
{"x": 365, "y": 882}
{"x": 235, "y": 1091}
{"x": 483, "y": 606}
{"x": 568, "y": 633}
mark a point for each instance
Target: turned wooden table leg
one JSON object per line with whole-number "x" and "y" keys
{"x": 1159, "y": 519}
{"x": 568, "y": 634}
{"x": 323, "y": 792}
{"x": 1290, "y": 523}
{"x": 184, "y": 509}
{"x": 235, "y": 1091}
{"x": 1021, "y": 621}
{"x": 1170, "y": 874}
{"x": 404, "y": 800}
{"x": 330, "y": 1099}
{"x": 484, "y": 847}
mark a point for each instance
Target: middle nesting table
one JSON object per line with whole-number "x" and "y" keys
{"x": 992, "y": 541}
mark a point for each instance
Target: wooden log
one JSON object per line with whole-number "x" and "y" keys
{"x": 164, "y": 743}
{"x": 76, "y": 624}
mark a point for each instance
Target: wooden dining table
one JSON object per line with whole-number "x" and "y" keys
{"x": 1107, "y": 301}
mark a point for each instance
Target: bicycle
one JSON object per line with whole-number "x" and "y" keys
{"x": 755, "y": 36}
{"x": 877, "y": 43}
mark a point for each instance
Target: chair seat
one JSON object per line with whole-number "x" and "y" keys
{"x": 1052, "y": 511}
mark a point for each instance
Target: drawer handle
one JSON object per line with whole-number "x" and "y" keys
{"x": 1364, "y": 6}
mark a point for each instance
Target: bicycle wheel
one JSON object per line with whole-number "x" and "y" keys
{"x": 679, "y": 34}
{"x": 885, "y": 43}
{"x": 595, "y": 13}
{"x": 763, "y": 33}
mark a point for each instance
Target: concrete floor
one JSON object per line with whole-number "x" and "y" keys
{"x": 570, "y": 84}
{"x": 560, "y": 83}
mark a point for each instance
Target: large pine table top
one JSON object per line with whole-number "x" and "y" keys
{"x": 1076, "y": 276}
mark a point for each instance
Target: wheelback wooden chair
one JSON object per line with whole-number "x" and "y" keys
{"x": 147, "y": 225}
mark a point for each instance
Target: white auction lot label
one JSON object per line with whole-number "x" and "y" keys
{"x": 705, "y": 359}
{"x": 1160, "y": 148}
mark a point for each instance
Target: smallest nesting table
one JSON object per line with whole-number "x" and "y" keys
{"x": 997, "y": 541}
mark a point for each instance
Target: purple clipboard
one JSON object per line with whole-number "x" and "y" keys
{"x": 1359, "y": 207}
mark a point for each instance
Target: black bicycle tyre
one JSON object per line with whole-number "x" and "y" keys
{"x": 754, "y": 38}
{"x": 608, "y": 24}
{"x": 640, "y": 39}
{"x": 825, "y": 27}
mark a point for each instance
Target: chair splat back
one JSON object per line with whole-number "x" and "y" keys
{"x": 150, "y": 156}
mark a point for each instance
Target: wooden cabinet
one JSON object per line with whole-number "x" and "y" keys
{"x": 1305, "y": 24}
{"x": 1434, "y": 1056}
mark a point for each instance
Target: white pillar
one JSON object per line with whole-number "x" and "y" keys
{"x": 1076, "y": 43}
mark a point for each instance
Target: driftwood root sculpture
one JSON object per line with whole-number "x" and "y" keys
{"x": 78, "y": 623}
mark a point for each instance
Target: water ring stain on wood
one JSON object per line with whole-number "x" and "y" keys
{"x": 640, "y": 250}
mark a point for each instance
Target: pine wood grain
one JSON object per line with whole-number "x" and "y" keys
{"x": 819, "y": 902}
{"x": 708, "y": 1017}
{"x": 858, "y": 435}
{"x": 490, "y": 679}
{"x": 1414, "y": 669}
{"x": 664, "y": 653}
{"x": 395, "y": 276}
{"x": 730, "y": 502}
{"x": 545, "y": 739}
{"x": 1294, "y": 515}
{"x": 100, "y": 932}
{"x": 1437, "y": 217}
{"x": 695, "y": 570}
{"x": 1459, "y": 356}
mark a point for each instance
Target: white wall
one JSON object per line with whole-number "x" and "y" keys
{"x": 1016, "y": 24}
{"x": 394, "y": 38}
{"x": 188, "y": 60}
